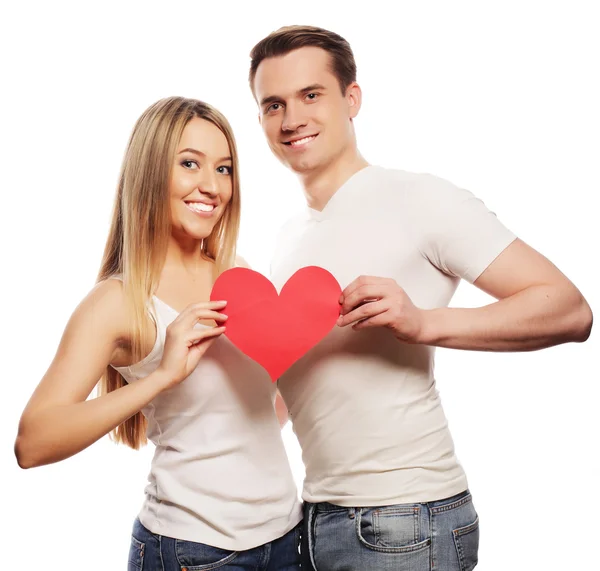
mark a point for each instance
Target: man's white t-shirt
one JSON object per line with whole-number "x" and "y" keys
{"x": 364, "y": 405}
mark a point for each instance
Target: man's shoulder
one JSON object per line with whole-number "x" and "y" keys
{"x": 414, "y": 187}
{"x": 404, "y": 178}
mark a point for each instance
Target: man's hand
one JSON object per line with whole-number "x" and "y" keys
{"x": 380, "y": 302}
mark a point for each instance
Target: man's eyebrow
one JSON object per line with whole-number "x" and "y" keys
{"x": 303, "y": 91}
{"x": 313, "y": 87}
{"x": 270, "y": 99}
{"x": 201, "y": 154}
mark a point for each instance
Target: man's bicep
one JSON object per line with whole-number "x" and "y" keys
{"x": 516, "y": 268}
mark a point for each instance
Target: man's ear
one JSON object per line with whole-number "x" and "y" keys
{"x": 354, "y": 99}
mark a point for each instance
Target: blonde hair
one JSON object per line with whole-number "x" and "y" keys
{"x": 137, "y": 242}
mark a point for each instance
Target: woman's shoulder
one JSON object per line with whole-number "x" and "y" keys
{"x": 109, "y": 292}
{"x": 106, "y": 307}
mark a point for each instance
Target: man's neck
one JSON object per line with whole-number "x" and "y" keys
{"x": 320, "y": 185}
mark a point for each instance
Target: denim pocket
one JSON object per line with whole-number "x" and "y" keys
{"x": 136, "y": 555}
{"x": 391, "y": 529}
{"x": 466, "y": 540}
{"x": 200, "y": 557}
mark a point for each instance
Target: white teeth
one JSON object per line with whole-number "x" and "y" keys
{"x": 302, "y": 141}
{"x": 200, "y": 207}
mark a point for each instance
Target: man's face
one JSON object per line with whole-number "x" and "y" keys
{"x": 305, "y": 116}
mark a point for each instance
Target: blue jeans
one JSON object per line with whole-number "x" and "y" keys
{"x": 441, "y": 536}
{"x": 151, "y": 552}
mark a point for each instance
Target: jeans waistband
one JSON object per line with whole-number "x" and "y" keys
{"x": 328, "y": 507}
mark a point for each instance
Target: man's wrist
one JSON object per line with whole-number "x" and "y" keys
{"x": 430, "y": 329}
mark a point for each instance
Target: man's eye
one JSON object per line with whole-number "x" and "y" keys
{"x": 312, "y": 96}
{"x": 274, "y": 107}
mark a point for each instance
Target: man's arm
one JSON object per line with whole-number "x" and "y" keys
{"x": 538, "y": 307}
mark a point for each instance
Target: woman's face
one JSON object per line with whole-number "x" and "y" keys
{"x": 201, "y": 180}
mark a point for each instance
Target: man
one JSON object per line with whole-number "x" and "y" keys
{"x": 383, "y": 487}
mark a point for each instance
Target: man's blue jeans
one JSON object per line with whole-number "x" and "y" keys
{"x": 440, "y": 536}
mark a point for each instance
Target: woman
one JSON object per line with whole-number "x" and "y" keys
{"x": 220, "y": 493}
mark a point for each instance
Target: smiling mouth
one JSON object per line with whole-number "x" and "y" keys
{"x": 200, "y": 207}
{"x": 300, "y": 142}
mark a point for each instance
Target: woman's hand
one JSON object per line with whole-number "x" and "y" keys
{"x": 185, "y": 344}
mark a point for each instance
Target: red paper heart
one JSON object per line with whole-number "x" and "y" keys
{"x": 276, "y": 330}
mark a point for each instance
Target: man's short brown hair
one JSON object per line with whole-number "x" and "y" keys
{"x": 290, "y": 38}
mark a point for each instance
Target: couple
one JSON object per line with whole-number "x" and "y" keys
{"x": 383, "y": 487}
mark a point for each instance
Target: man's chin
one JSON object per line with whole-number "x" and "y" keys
{"x": 301, "y": 166}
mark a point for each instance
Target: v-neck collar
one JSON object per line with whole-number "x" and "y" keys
{"x": 319, "y": 215}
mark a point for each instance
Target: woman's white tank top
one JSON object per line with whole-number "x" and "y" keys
{"x": 220, "y": 473}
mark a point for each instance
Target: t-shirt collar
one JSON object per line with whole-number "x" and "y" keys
{"x": 330, "y": 206}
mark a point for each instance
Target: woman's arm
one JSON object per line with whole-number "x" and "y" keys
{"x": 58, "y": 421}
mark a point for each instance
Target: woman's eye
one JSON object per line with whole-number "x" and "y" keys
{"x": 189, "y": 164}
{"x": 225, "y": 170}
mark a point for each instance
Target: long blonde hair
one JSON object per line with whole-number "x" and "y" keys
{"x": 137, "y": 242}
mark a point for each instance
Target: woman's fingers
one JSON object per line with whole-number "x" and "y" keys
{"x": 198, "y": 335}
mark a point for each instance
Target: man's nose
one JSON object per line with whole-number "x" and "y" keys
{"x": 293, "y": 118}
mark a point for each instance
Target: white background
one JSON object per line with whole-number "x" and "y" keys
{"x": 500, "y": 98}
